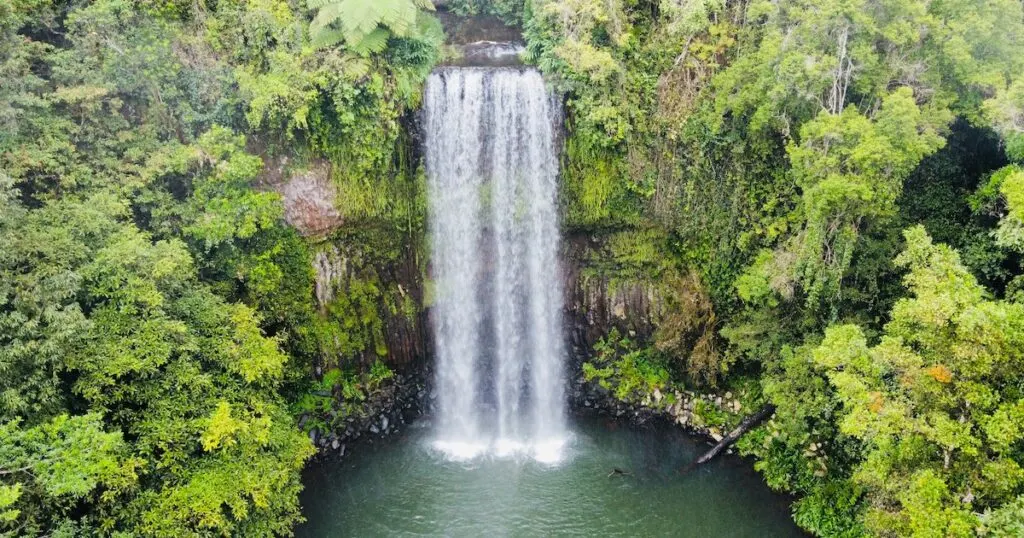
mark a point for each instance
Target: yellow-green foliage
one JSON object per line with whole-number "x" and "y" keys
{"x": 356, "y": 313}
{"x": 394, "y": 199}
{"x": 852, "y": 167}
{"x": 946, "y": 349}
{"x": 1010, "y": 233}
{"x": 640, "y": 251}
{"x": 706, "y": 413}
{"x": 593, "y": 189}
{"x": 222, "y": 430}
{"x": 632, "y": 374}
{"x": 586, "y": 46}
{"x": 8, "y": 496}
{"x": 152, "y": 324}
{"x": 628, "y": 257}
{"x": 603, "y": 376}
{"x": 365, "y": 26}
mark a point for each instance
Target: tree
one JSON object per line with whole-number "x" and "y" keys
{"x": 935, "y": 400}
{"x": 1010, "y": 233}
{"x": 366, "y": 25}
{"x": 851, "y": 169}
{"x": 848, "y": 77}
{"x": 47, "y": 471}
{"x": 41, "y": 319}
{"x": 212, "y": 181}
{"x": 1006, "y": 112}
{"x": 153, "y": 356}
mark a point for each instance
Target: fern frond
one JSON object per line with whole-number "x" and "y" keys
{"x": 354, "y": 68}
{"x": 324, "y": 18}
{"x": 374, "y": 42}
{"x": 360, "y": 17}
{"x": 404, "y": 20}
{"x": 327, "y": 38}
{"x": 426, "y": 5}
{"x": 365, "y": 25}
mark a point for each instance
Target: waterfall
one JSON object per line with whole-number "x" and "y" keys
{"x": 492, "y": 185}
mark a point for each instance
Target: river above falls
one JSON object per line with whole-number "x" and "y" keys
{"x": 404, "y": 488}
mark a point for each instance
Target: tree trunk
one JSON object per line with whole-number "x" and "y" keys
{"x": 748, "y": 424}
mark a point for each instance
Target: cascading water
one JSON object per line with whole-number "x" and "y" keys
{"x": 492, "y": 184}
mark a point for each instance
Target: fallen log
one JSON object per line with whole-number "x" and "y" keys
{"x": 746, "y": 425}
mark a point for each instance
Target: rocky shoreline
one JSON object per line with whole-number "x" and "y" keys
{"x": 386, "y": 412}
{"x": 685, "y": 409}
{"x": 406, "y": 397}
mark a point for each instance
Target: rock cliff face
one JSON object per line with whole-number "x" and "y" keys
{"x": 482, "y": 28}
{"x": 599, "y": 297}
{"x": 370, "y": 277}
{"x": 382, "y": 292}
{"x": 596, "y": 300}
{"x": 309, "y": 201}
{"x": 308, "y": 193}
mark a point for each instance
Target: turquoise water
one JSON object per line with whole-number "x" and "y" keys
{"x": 403, "y": 488}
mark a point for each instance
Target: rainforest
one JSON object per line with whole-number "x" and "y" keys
{"x": 512, "y": 268}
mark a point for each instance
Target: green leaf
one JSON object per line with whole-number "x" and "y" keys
{"x": 365, "y": 25}
{"x": 373, "y": 43}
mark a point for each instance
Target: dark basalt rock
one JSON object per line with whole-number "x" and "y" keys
{"x": 464, "y": 30}
{"x": 399, "y": 402}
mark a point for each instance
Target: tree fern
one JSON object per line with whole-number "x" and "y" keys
{"x": 327, "y": 37}
{"x": 364, "y": 25}
{"x": 374, "y": 42}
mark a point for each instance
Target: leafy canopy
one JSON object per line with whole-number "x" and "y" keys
{"x": 365, "y": 26}
{"x": 936, "y": 401}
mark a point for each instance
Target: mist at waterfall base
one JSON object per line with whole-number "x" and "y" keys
{"x": 492, "y": 171}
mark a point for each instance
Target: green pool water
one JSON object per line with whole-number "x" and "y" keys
{"x": 404, "y": 488}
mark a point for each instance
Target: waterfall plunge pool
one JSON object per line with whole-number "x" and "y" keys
{"x": 406, "y": 488}
{"x": 492, "y": 156}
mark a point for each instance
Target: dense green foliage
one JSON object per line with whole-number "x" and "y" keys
{"x": 781, "y": 148}
{"x": 636, "y": 372}
{"x": 827, "y": 198}
{"x": 157, "y": 318}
